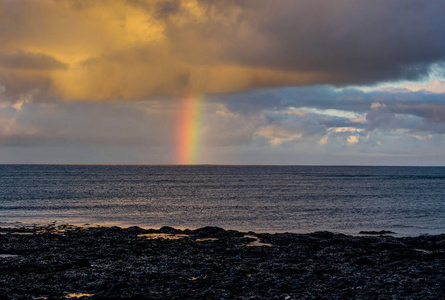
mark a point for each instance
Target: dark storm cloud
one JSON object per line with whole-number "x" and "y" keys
{"x": 353, "y": 40}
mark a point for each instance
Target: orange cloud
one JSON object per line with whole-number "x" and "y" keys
{"x": 133, "y": 49}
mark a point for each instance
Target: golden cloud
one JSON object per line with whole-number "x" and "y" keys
{"x": 99, "y": 50}
{"x": 133, "y": 49}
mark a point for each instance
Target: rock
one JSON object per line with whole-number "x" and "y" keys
{"x": 377, "y": 232}
{"x": 322, "y": 234}
{"x": 212, "y": 263}
{"x": 365, "y": 261}
{"x": 209, "y": 230}
{"x": 170, "y": 230}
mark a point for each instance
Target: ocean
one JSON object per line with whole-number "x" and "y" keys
{"x": 407, "y": 200}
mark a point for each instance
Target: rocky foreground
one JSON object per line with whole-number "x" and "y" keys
{"x": 60, "y": 262}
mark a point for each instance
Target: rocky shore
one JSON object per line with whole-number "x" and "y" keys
{"x": 63, "y": 262}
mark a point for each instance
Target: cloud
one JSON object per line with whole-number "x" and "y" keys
{"x": 323, "y": 108}
{"x": 298, "y": 126}
{"x": 31, "y": 124}
{"x": 380, "y": 127}
{"x": 138, "y": 49}
{"x": 29, "y": 61}
{"x": 380, "y": 117}
{"x": 224, "y": 128}
{"x": 341, "y": 40}
{"x": 436, "y": 86}
{"x": 270, "y": 73}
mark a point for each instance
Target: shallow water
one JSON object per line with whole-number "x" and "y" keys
{"x": 406, "y": 200}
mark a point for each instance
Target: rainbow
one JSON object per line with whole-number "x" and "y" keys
{"x": 189, "y": 127}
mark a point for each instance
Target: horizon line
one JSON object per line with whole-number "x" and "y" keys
{"x": 212, "y": 165}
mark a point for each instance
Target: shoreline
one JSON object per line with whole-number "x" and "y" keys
{"x": 359, "y": 231}
{"x": 66, "y": 261}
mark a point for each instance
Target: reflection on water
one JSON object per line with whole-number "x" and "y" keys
{"x": 166, "y": 236}
{"x": 8, "y": 255}
{"x": 78, "y": 295}
{"x": 256, "y": 242}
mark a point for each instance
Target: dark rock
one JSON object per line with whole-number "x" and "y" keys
{"x": 365, "y": 261}
{"x": 389, "y": 245}
{"x": 377, "y": 232}
{"x": 135, "y": 230}
{"x": 212, "y": 263}
{"x": 322, "y": 234}
{"x": 169, "y": 230}
{"x": 209, "y": 230}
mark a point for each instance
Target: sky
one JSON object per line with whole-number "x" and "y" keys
{"x": 289, "y": 82}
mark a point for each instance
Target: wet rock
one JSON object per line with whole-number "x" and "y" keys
{"x": 212, "y": 263}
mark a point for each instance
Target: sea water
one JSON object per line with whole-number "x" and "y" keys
{"x": 406, "y": 200}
